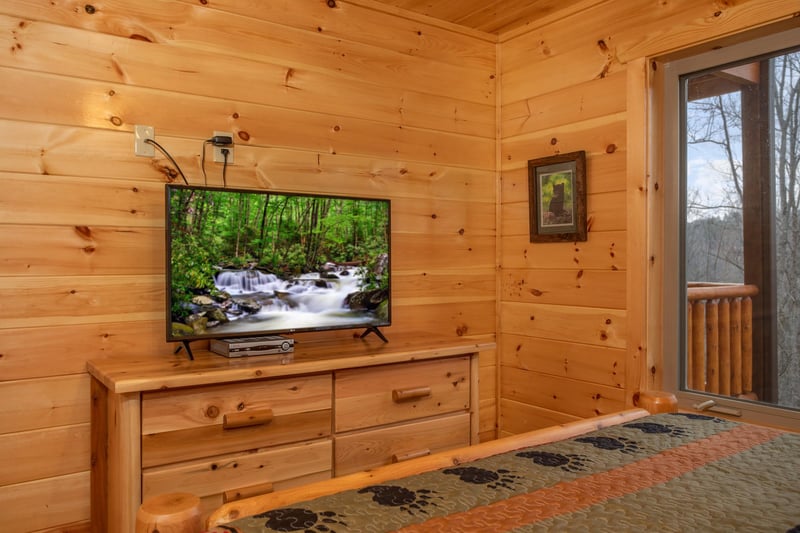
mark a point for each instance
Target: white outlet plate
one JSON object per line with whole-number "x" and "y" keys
{"x": 140, "y": 147}
{"x": 218, "y": 157}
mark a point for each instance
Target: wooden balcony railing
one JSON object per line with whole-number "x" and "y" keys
{"x": 720, "y": 338}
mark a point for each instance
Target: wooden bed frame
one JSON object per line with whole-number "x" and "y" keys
{"x": 172, "y": 513}
{"x": 265, "y": 502}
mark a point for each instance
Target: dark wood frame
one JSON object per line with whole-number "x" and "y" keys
{"x": 572, "y": 226}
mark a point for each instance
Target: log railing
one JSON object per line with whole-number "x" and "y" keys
{"x": 720, "y": 338}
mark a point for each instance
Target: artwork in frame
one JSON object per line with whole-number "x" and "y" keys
{"x": 557, "y": 194}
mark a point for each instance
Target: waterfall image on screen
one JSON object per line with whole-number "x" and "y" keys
{"x": 250, "y": 262}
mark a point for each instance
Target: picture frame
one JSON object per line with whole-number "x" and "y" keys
{"x": 557, "y": 198}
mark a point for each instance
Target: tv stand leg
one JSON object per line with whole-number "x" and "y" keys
{"x": 376, "y": 331}
{"x": 185, "y": 346}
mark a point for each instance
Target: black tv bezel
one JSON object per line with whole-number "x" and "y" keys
{"x": 288, "y": 331}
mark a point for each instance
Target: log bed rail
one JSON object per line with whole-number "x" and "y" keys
{"x": 720, "y": 338}
{"x": 180, "y": 512}
{"x": 245, "y": 507}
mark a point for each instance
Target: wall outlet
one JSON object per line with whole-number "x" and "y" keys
{"x": 140, "y": 135}
{"x": 219, "y": 157}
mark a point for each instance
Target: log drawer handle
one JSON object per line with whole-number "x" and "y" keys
{"x": 413, "y": 393}
{"x": 247, "y": 419}
{"x": 247, "y": 492}
{"x": 399, "y": 457}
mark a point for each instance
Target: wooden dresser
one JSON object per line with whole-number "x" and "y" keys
{"x": 228, "y": 428}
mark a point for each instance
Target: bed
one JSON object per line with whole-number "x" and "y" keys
{"x": 630, "y": 471}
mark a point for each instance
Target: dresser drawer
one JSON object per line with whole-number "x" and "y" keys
{"x": 368, "y": 397}
{"x": 367, "y": 449}
{"x": 186, "y": 424}
{"x": 243, "y": 474}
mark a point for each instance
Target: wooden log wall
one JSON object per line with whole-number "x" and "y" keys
{"x": 322, "y": 96}
{"x": 576, "y": 322}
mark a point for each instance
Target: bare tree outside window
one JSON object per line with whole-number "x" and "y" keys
{"x": 716, "y": 118}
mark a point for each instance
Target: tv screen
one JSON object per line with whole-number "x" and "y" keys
{"x": 243, "y": 263}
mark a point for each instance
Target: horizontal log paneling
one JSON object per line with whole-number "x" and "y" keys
{"x": 563, "y": 305}
{"x": 51, "y": 250}
{"x": 604, "y": 212}
{"x": 30, "y": 148}
{"x": 443, "y": 217}
{"x": 593, "y": 99}
{"x": 464, "y": 283}
{"x": 84, "y": 300}
{"x": 462, "y": 319}
{"x": 83, "y": 202}
{"x": 104, "y": 105}
{"x": 600, "y": 40}
{"x": 585, "y": 362}
{"x": 403, "y": 111}
{"x": 359, "y": 21}
{"x": 169, "y": 24}
{"x": 567, "y": 86}
{"x": 519, "y": 417}
{"x": 27, "y": 456}
{"x": 28, "y": 353}
{"x": 42, "y": 403}
{"x": 347, "y": 101}
{"x": 595, "y": 136}
{"x": 470, "y": 250}
{"x": 603, "y": 250}
{"x": 488, "y": 386}
{"x": 589, "y": 288}
{"x": 583, "y": 325}
{"x": 80, "y": 202}
{"x": 46, "y": 503}
{"x": 41, "y": 301}
{"x": 604, "y": 173}
{"x": 576, "y": 398}
{"x": 135, "y": 63}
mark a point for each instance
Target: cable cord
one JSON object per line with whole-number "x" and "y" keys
{"x": 164, "y": 151}
{"x": 203, "y": 162}
{"x": 225, "y": 153}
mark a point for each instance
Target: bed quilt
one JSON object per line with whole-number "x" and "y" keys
{"x": 668, "y": 472}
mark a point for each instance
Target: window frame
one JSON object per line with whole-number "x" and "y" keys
{"x": 668, "y": 234}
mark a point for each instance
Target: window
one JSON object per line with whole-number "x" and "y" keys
{"x": 732, "y": 229}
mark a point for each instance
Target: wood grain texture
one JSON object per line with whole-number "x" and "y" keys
{"x": 365, "y": 450}
{"x": 580, "y": 81}
{"x": 604, "y": 250}
{"x": 358, "y": 99}
{"x": 585, "y": 325}
{"x": 584, "y": 362}
{"x": 493, "y": 16}
{"x": 563, "y": 395}
{"x": 517, "y": 417}
{"x": 419, "y": 465}
{"x": 43, "y": 403}
{"x": 286, "y": 467}
{"x": 366, "y": 397}
{"x": 25, "y": 508}
{"x": 26, "y": 456}
{"x": 197, "y": 407}
{"x": 589, "y": 288}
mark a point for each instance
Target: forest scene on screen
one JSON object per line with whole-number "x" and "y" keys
{"x": 245, "y": 262}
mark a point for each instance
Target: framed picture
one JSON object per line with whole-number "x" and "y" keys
{"x": 557, "y": 194}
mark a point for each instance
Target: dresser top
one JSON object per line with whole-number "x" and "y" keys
{"x": 148, "y": 373}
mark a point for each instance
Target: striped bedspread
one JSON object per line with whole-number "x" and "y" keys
{"x": 668, "y": 472}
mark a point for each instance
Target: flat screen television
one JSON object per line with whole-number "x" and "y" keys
{"x": 246, "y": 263}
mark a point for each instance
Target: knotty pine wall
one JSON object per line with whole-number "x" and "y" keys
{"x": 574, "y": 330}
{"x": 343, "y": 99}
